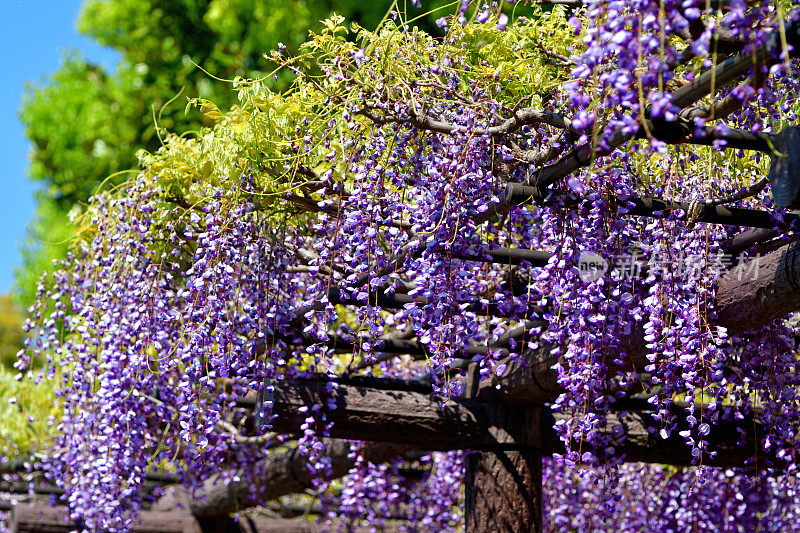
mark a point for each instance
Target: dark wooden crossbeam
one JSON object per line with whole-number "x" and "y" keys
{"x": 401, "y": 415}
{"x": 507, "y": 256}
{"x": 280, "y": 474}
{"x": 399, "y": 300}
{"x": 517, "y": 194}
{"x": 44, "y": 519}
{"x": 406, "y": 413}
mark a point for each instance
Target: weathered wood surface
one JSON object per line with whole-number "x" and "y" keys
{"x": 44, "y": 519}
{"x": 400, "y": 416}
{"x": 400, "y": 300}
{"x": 503, "y": 488}
{"x": 761, "y": 290}
{"x": 271, "y": 525}
{"x": 413, "y": 418}
{"x": 507, "y": 256}
{"x": 504, "y": 492}
{"x": 284, "y": 473}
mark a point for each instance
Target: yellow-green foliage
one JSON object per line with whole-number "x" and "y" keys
{"x": 261, "y": 135}
{"x": 282, "y": 140}
{"x": 27, "y": 410}
{"x": 10, "y": 331}
{"x": 85, "y": 122}
{"x": 510, "y": 65}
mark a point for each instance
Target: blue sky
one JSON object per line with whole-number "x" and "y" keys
{"x": 33, "y": 34}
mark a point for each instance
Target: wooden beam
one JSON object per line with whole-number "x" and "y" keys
{"x": 518, "y": 194}
{"x": 283, "y": 473}
{"x": 42, "y": 518}
{"x": 398, "y": 421}
{"x": 398, "y": 415}
{"x": 758, "y": 291}
{"x": 414, "y": 418}
{"x": 735, "y": 441}
{"x": 507, "y": 256}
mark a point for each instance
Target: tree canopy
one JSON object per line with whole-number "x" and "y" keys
{"x": 300, "y": 231}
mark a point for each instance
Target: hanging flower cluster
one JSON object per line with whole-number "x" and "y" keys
{"x": 424, "y": 493}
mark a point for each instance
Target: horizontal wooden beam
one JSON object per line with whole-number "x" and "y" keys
{"x": 754, "y": 293}
{"x": 281, "y": 474}
{"x": 398, "y": 417}
{"x": 518, "y": 194}
{"x": 44, "y": 519}
{"x": 411, "y": 416}
{"x": 507, "y": 256}
{"x": 399, "y": 300}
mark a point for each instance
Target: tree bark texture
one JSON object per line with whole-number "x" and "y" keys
{"x": 284, "y": 473}
{"x": 504, "y": 491}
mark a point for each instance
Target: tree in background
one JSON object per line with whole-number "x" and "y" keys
{"x": 10, "y": 332}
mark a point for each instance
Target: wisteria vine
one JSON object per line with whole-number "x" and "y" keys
{"x": 220, "y": 270}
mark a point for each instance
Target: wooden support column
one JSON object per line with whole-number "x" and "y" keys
{"x": 504, "y": 487}
{"x": 504, "y": 491}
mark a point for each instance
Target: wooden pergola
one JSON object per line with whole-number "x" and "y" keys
{"x": 504, "y": 423}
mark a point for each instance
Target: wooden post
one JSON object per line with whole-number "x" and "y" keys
{"x": 504, "y": 488}
{"x": 504, "y": 491}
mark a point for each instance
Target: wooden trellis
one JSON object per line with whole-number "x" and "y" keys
{"x": 506, "y": 429}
